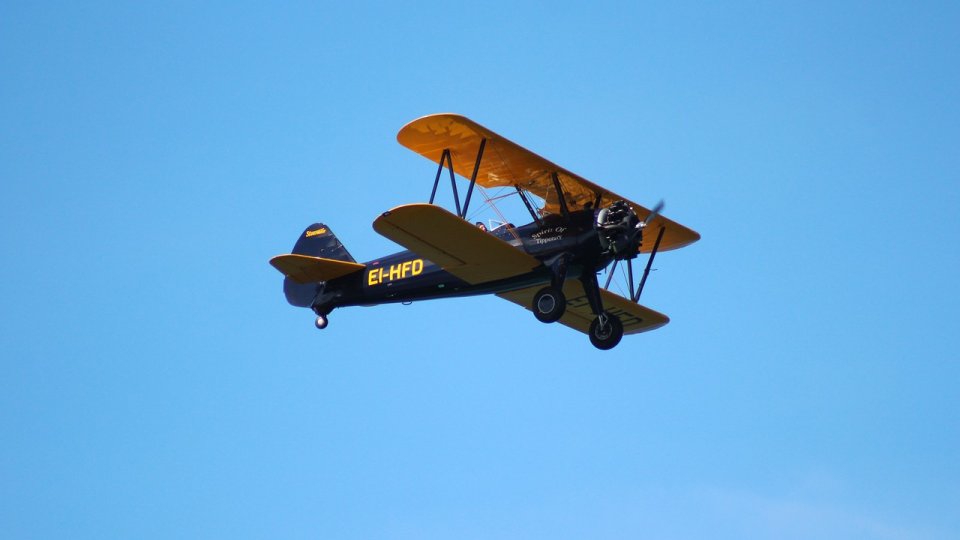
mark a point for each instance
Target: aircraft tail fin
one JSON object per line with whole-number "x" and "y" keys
{"x": 318, "y": 240}
{"x": 317, "y": 256}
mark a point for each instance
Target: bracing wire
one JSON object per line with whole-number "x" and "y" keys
{"x": 491, "y": 202}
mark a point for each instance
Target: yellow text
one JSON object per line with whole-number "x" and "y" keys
{"x": 384, "y": 274}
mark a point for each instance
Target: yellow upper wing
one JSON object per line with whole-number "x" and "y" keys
{"x": 506, "y": 163}
{"x": 455, "y": 245}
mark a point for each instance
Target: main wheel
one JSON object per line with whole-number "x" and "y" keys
{"x": 549, "y": 304}
{"x": 321, "y": 322}
{"x": 606, "y": 331}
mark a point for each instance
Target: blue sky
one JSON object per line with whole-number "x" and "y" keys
{"x": 155, "y": 384}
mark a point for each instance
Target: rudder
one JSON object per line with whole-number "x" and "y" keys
{"x": 318, "y": 240}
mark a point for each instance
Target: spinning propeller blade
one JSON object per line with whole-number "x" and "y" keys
{"x": 653, "y": 213}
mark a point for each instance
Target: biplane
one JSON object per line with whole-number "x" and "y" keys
{"x": 549, "y": 266}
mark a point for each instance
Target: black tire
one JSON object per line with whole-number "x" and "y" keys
{"x": 321, "y": 322}
{"x": 606, "y": 337}
{"x": 549, "y": 304}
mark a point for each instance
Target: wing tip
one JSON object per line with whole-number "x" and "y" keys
{"x": 412, "y": 124}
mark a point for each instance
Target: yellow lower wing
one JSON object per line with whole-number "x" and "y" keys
{"x": 635, "y": 318}
{"x": 455, "y": 245}
{"x": 306, "y": 269}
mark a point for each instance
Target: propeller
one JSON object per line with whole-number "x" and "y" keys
{"x": 653, "y": 214}
{"x": 643, "y": 224}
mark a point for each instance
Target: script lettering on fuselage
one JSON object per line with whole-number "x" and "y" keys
{"x": 549, "y": 234}
{"x": 386, "y": 274}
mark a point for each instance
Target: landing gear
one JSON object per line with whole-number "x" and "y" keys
{"x": 321, "y": 322}
{"x": 606, "y": 331}
{"x": 549, "y": 304}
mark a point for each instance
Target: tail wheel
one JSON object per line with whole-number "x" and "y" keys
{"x": 321, "y": 322}
{"x": 549, "y": 304}
{"x": 606, "y": 331}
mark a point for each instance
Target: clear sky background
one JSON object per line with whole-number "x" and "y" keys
{"x": 155, "y": 384}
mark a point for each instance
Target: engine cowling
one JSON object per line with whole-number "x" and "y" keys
{"x": 619, "y": 230}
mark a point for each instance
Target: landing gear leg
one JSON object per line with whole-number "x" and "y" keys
{"x": 558, "y": 270}
{"x": 592, "y": 290}
{"x": 607, "y": 329}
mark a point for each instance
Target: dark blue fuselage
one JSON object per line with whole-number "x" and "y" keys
{"x": 406, "y": 276}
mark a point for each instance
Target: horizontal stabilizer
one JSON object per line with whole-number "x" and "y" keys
{"x": 307, "y": 269}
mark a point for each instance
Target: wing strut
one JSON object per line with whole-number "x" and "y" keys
{"x": 526, "y": 202}
{"x": 473, "y": 177}
{"x": 610, "y": 273}
{"x": 634, "y": 295}
{"x": 646, "y": 271}
{"x": 563, "y": 202}
{"x": 447, "y": 159}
